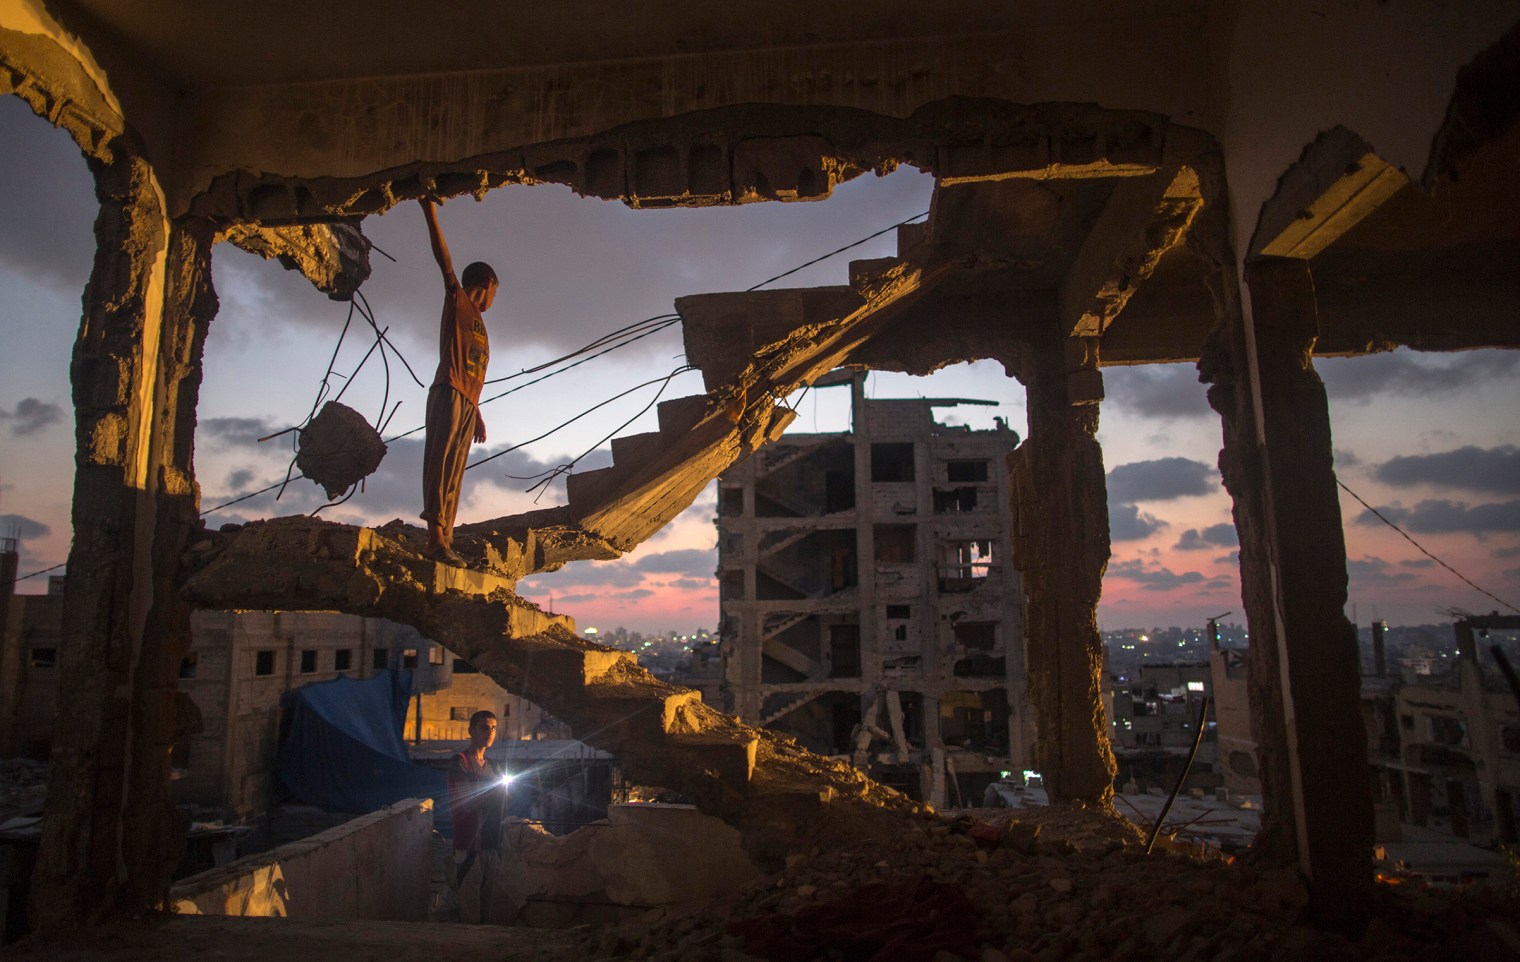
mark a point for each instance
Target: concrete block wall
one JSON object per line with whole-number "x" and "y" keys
{"x": 374, "y": 867}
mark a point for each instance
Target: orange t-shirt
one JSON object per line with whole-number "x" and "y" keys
{"x": 464, "y": 350}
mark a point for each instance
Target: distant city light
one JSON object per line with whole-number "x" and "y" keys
{"x": 589, "y": 631}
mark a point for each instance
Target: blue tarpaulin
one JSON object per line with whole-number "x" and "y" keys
{"x": 343, "y": 750}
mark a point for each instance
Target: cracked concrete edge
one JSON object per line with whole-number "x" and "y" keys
{"x": 334, "y": 257}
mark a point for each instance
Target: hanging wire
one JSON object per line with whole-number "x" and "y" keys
{"x": 659, "y": 380}
{"x": 614, "y": 340}
{"x": 1468, "y": 581}
{"x": 824, "y": 257}
{"x": 33, "y": 574}
{"x": 565, "y": 468}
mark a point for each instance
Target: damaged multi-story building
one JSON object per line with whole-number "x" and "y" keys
{"x": 1242, "y": 185}
{"x": 1445, "y": 751}
{"x": 870, "y": 607}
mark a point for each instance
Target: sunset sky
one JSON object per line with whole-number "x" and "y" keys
{"x": 1432, "y": 440}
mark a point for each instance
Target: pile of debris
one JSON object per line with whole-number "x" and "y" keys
{"x": 1060, "y": 883}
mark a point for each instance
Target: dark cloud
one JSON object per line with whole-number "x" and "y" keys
{"x": 1512, "y": 551}
{"x": 1127, "y": 523}
{"x": 1375, "y": 571}
{"x": 1404, "y": 373}
{"x": 1158, "y": 390}
{"x": 1163, "y": 479}
{"x": 691, "y": 562}
{"x": 237, "y": 430}
{"x": 47, "y": 201}
{"x": 1214, "y": 536}
{"x": 22, "y": 528}
{"x": 32, "y": 415}
{"x": 1233, "y": 558}
{"x": 1417, "y": 563}
{"x": 1345, "y": 458}
{"x": 1153, "y": 578}
{"x": 580, "y": 574}
{"x": 637, "y": 594}
{"x": 692, "y": 584}
{"x": 1490, "y": 470}
{"x": 1448, "y": 517}
{"x": 241, "y": 479}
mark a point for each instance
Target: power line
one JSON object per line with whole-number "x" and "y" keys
{"x": 644, "y": 328}
{"x": 34, "y": 574}
{"x": 1379, "y": 515}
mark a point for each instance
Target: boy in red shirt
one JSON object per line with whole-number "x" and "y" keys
{"x": 453, "y": 414}
{"x": 477, "y": 796}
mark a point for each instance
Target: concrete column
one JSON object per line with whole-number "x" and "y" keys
{"x": 1304, "y": 671}
{"x": 1060, "y": 545}
{"x": 112, "y": 836}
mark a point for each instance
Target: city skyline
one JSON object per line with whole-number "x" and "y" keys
{"x": 1430, "y": 440}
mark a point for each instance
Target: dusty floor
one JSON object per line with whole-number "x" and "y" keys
{"x": 1056, "y": 884}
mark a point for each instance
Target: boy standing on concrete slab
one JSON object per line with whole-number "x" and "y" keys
{"x": 453, "y": 414}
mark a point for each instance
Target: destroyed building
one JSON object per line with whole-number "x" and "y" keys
{"x": 870, "y": 607}
{"x": 1445, "y": 752}
{"x": 1155, "y": 717}
{"x": 1244, "y": 186}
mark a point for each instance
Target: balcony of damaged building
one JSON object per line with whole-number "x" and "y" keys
{"x": 1103, "y": 196}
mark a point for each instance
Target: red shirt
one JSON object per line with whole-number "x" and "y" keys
{"x": 464, "y": 350}
{"x": 476, "y": 798}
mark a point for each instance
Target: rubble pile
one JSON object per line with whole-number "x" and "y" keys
{"x": 1060, "y": 883}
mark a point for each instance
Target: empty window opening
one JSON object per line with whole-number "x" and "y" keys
{"x": 263, "y": 662}
{"x": 730, "y": 501}
{"x": 343, "y": 659}
{"x": 44, "y": 658}
{"x": 954, "y": 500}
{"x": 732, "y": 586}
{"x": 308, "y": 661}
{"x": 462, "y": 712}
{"x": 964, "y": 565}
{"x": 979, "y": 635}
{"x": 408, "y": 658}
{"x": 895, "y": 543}
{"x": 892, "y": 462}
{"x": 839, "y": 490}
{"x": 967, "y": 472}
{"x": 462, "y": 667}
{"x": 436, "y": 655}
{"x": 844, "y": 652}
{"x": 980, "y": 665}
{"x": 190, "y": 664}
{"x": 975, "y": 719}
{"x": 381, "y": 659}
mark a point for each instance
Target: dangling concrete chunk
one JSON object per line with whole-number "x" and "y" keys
{"x": 339, "y": 448}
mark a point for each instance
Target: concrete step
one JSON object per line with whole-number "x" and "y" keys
{"x": 679, "y": 415}
{"x": 636, "y": 450}
{"x": 629, "y": 713}
{"x": 730, "y": 757}
{"x": 589, "y": 487}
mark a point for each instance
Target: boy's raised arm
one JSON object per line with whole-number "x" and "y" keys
{"x": 440, "y": 246}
